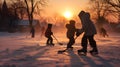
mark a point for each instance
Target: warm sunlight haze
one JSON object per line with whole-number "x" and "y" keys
{"x": 68, "y": 15}
{"x": 59, "y": 33}
{"x": 66, "y": 8}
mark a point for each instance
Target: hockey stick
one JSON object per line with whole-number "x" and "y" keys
{"x": 76, "y": 37}
{"x": 57, "y": 40}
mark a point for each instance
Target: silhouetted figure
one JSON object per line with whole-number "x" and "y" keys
{"x": 32, "y": 32}
{"x": 103, "y": 32}
{"x": 48, "y": 34}
{"x": 89, "y": 31}
{"x": 71, "y": 29}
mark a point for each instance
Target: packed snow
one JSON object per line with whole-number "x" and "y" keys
{"x": 20, "y": 50}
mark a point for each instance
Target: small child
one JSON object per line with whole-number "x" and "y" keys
{"x": 70, "y": 33}
{"x": 103, "y": 32}
{"x": 48, "y": 34}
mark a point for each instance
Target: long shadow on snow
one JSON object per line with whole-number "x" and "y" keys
{"x": 24, "y": 61}
{"x": 20, "y": 51}
{"x": 32, "y": 60}
{"x": 82, "y": 61}
{"x": 96, "y": 61}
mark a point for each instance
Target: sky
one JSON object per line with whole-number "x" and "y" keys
{"x": 66, "y": 8}
{"x": 61, "y": 6}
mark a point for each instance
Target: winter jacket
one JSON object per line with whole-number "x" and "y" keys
{"x": 87, "y": 25}
{"x": 48, "y": 32}
{"x": 70, "y": 30}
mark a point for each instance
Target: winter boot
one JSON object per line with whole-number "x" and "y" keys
{"x": 82, "y": 52}
{"x": 94, "y": 52}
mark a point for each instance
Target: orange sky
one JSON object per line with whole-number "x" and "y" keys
{"x": 60, "y": 6}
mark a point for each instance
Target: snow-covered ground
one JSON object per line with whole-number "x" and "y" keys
{"x": 23, "y": 51}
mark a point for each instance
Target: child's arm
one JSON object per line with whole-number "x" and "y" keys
{"x": 78, "y": 32}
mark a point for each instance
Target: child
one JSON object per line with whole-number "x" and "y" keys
{"x": 48, "y": 34}
{"x": 70, "y": 33}
{"x": 103, "y": 32}
{"x": 89, "y": 31}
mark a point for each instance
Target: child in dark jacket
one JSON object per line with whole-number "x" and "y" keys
{"x": 48, "y": 34}
{"x": 71, "y": 33}
{"x": 89, "y": 32}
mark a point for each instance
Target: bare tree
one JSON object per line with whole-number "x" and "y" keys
{"x": 104, "y": 8}
{"x": 18, "y": 8}
{"x": 115, "y": 4}
{"x": 31, "y": 6}
{"x": 100, "y": 8}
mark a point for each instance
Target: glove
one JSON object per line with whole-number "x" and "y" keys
{"x": 78, "y": 32}
{"x": 51, "y": 33}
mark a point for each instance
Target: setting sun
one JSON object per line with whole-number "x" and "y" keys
{"x": 68, "y": 15}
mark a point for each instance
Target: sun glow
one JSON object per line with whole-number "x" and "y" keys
{"x": 68, "y": 15}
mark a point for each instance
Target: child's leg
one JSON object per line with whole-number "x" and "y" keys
{"x": 51, "y": 40}
{"x": 48, "y": 40}
{"x": 83, "y": 51}
{"x": 93, "y": 43}
{"x": 84, "y": 44}
{"x": 47, "y": 43}
{"x": 71, "y": 42}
